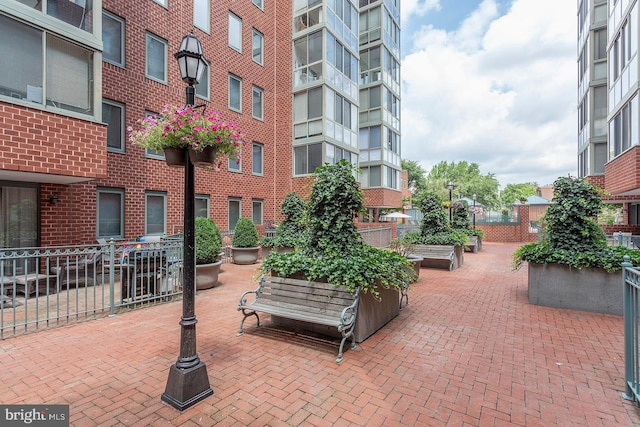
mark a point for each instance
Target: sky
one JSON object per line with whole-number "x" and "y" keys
{"x": 492, "y": 82}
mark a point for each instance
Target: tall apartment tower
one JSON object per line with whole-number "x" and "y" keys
{"x": 379, "y": 79}
{"x": 608, "y": 110}
{"x": 592, "y": 88}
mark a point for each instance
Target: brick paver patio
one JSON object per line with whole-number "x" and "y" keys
{"x": 468, "y": 350}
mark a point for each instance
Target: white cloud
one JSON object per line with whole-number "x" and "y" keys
{"x": 417, "y": 8}
{"x": 499, "y": 91}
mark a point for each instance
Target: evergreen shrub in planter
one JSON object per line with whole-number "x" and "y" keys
{"x": 208, "y": 245}
{"x": 244, "y": 244}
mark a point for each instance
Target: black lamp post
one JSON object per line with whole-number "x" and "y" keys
{"x": 474, "y": 211}
{"x": 450, "y": 187}
{"x": 188, "y": 381}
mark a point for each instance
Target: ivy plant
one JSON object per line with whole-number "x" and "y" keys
{"x": 334, "y": 250}
{"x": 572, "y": 236}
{"x": 292, "y": 230}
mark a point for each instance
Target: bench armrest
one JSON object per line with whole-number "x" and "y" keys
{"x": 348, "y": 315}
{"x": 243, "y": 297}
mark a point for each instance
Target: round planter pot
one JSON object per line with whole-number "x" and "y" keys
{"x": 174, "y": 157}
{"x": 244, "y": 256}
{"x": 284, "y": 249}
{"x": 207, "y": 275}
{"x": 266, "y": 250}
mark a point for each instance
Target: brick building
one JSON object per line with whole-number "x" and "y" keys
{"x": 77, "y": 73}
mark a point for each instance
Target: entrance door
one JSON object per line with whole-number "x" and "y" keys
{"x": 18, "y": 219}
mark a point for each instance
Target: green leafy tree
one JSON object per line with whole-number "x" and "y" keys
{"x": 415, "y": 172}
{"x": 468, "y": 180}
{"x": 435, "y": 219}
{"x": 514, "y": 192}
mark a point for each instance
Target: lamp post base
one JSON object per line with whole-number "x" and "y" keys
{"x": 186, "y": 387}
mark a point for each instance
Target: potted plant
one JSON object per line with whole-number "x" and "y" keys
{"x": 333, "y": 251}
{"x": 244, "y": 244}
{"x": 435, "y": 230}
{"x": 405, "y": 246}
{"x": 208, "y": 245}
{"x": 206, "y": 135}
{"x": 572, "y": 267}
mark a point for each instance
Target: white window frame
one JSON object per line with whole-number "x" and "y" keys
{"x": 153, "y": 37}
{"x": 256, "y": 91}
{"x": 201, "y": 8}
{"x": 203, "y": 87}
{"x": 151, "y": 154}
{"x": 163, "y": 196}
{"x": 255, "y": 33}
{"x": 254, "y": 164}
{"x": 105, "y": 190}
{"x": 239, "y": 80}
{"x": 235, "y": 166}
{"x": 121, "y": 133}
{"x": 207, "y": 201}
{"x": 121, "y": 62}
{"x": 260, "y": 203}
{"x": 235, "y": 29}
{"x": 161, "y": 2}
{"x": 258, "y": 3}
{"x": 234, "y": 200}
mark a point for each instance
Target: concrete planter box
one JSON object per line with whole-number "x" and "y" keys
{"x": 586, "y": 289}
{"x": 458, "y": 258}
{"x": 245, "y": 256}
{"x": 372, "y": 315}
{"x": 207, "y": 275}
{"x": 474, "y": 244}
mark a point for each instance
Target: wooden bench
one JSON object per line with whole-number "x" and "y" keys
{"x": 314, "y": 302}
{"x": 472, "y": 245}
{"x": 437, "y": 256}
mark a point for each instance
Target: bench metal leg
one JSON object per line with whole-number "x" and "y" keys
{"x": 339, "y": 359}
{"x": 253, "y": 313}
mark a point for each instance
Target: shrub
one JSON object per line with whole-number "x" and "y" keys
{"x": 245, "y": 234}
{"x": 334, "y": 250}
{"x": 572, "y": 235}
{"x": 208, "y": 241}
{"x": 291, "y": 230}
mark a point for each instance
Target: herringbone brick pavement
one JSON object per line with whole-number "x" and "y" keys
{"x": 469, "y": 350}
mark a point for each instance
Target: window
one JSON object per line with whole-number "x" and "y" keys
{"x": 257, "y": 105}
{"x": 202, "y": 88}
{"x": 235, "y": 165}
{"x": 235, "y": 210}
{"x": 113, "y": 116}
{"x": 152, "y": 153}
{"x": 67, "y": 77}
{"x": 156, "y": 67}
{"x": 201, "y": 14}
{"x": 257, "y": 159}
{"x": 257, "y": 46}
{"x": 256, "y": 211}
{"x": 162, "y": 2}
{"x": 307, "y": 158}
{"x": 258, "y": 3}
{"x": 155, "y": 214}
{"x": 235, "y": 93}
{"x": 201, "y": 207}
{"x": 75, "y": 12}
{"x": 110, "y": 213}
{"x": 113, "y": 39}
{"x": 235, "y": 32}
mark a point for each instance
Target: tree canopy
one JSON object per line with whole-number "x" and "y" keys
{"x": 467, "y": 180}
{"x": 513, "y": 192}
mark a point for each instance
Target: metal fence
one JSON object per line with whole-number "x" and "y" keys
{"x": 631, "y": 277}
{"x": 378, "y": 237}
{"x": 50, "y": 286}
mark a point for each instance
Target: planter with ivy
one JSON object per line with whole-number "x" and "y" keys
{"x": 244, "y": 244}
{"x": 333, "y": 251}
{"x": 572, "y": 267}
{"x": 208, "y": 244}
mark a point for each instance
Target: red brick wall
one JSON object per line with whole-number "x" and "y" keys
{"x": 623, "y": 173}
{"x": 38, "y": 141}
{"x": 510, "y": 233}
{"x": 136, "y": 174}
{"x": 380, "y": 197}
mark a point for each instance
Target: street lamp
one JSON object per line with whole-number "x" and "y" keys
{"x": 450, "y": 187}
{"x": 188, "y": 381}
{"x": 474, "y": 211}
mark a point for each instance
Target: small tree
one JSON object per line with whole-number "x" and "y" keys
{"x": 292, "y": 228}
{"x": 245, "y": 234}
{"x": 208, "y": 241}
{"x": 572, "y": 235}
{"x": 434, "y": 220}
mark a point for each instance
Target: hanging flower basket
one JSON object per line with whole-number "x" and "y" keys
{"x": 186, "y": 127}
{"x": 204, "y": 158}
{"x": 174, "y": 157}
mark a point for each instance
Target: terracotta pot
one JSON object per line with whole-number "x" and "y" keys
{"x": 203, "y": 158}
{"x": 174, "y": 157}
